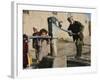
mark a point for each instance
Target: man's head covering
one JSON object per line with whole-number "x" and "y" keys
{"x": 70, "y": 18}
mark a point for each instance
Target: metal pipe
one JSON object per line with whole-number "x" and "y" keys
{"x": 42, "y": 37}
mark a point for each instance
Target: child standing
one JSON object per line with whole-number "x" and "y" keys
{"x": 44, "y": 45}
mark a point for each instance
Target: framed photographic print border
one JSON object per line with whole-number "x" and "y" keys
{"x": 17, "y": 32}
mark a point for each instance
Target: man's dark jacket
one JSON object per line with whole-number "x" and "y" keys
{"x": 76, "y": 28}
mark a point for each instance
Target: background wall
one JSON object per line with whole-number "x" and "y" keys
{"x": 38, "y": 19}
{"x": 5, "y": 39}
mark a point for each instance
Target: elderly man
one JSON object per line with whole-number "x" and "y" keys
{"x": 76, "y": 31}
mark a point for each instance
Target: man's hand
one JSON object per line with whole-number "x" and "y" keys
{"x": 79, "y": 33}
{"x": 70, "y": 33}
{"x": 60, "y": 25}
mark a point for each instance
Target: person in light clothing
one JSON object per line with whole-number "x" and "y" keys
{"x": 44, "y": 44}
